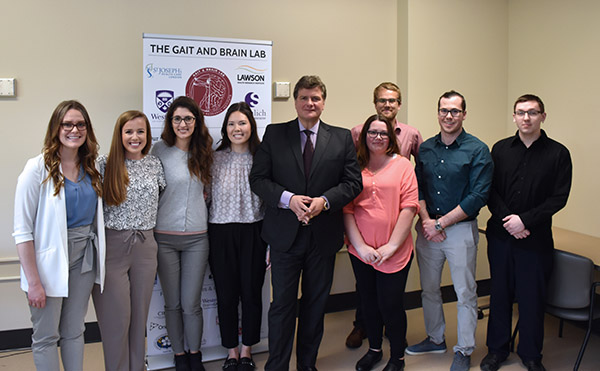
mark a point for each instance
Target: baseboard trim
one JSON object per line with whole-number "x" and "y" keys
{"x": 18, "y": 339}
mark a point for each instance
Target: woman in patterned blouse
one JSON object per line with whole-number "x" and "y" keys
{"x": 237, "y": 252}
{"x": 186, "y": 154}
{"x": 132, "y": 182}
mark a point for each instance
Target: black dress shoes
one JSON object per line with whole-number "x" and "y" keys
{"x": 394, "y": 365}
{"x": 369, "y": 360}
{"x": 305, "y": 368}
{"x": 534, "y": 366}
{"x": 491, "y": 362}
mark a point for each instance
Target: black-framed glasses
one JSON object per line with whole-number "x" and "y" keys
{"x": 68, "y": 126}
{"x": 374, "y": 134}
{"x": 530, "y": 113}
{"x": 187, "y": 119}
{"x": 443, "y": 112}
{"x": 386, "y": 100}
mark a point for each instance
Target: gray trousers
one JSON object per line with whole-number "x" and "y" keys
{"x": 122, "y": 309}
{"x": 62, "y": 319}
{"x": 460, "y": 249}
{"x": 182, "y": 262}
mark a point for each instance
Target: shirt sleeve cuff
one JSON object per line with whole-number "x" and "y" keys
{"x": 284, "y": 200}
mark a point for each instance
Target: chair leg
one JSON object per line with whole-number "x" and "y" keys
{"x": 513, "y": 338}
{"x": 560, "y": 328}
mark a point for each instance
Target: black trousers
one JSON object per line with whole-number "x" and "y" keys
{"x": 237, "y": 263}
{"x": 382, "y": 299}
{"x": 303, "y": 258}
{"x": 522, "y": 275}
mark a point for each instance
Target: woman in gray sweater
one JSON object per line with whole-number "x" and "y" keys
{"x": 181, "y": 226}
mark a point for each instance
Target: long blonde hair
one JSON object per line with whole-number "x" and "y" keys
{"x": 86, "y": 154}
{"x": 116, "y": 178}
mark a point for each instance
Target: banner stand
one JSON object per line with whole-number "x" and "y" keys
{"x": 159, "y": 354}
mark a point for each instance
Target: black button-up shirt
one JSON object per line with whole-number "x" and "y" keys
{"x": 533, "y": 183}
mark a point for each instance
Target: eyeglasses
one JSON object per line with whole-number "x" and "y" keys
{"x": 530, "y": 113}
{"x": 388, "y": 100}
{"x": 374, "y": 134}
{"x": 68, "y": 126}
{"x": 188, "y": 120}
{"x": 454, "y": 112}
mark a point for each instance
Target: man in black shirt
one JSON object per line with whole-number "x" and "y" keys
{"x": 532, "y": 180}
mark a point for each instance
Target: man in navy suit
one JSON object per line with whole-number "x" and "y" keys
{"x": 305, "y": 171}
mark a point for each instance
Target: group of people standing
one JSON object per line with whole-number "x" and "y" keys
{"x": 182, "y": 206}
{"x": 524, "y": 181}
{"x": 106, "y": 225}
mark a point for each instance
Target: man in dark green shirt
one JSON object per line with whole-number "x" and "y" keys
{"x": 454, "y": 170}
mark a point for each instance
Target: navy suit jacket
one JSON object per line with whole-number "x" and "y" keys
{"x": 335, "y": 174}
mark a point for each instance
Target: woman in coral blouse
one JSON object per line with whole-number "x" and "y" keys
{"x": 378, "y": 235}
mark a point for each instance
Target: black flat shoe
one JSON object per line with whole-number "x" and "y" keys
{"x": 231, "y": 364}
{"x": 394, "y": 365}
{"x": 246, "y": 364}
{"x": 369, "y": 360}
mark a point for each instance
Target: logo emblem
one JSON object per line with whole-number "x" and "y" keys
{"x": 211, "y": 89}
{"x": 164, "y": 98}
{"x": 251, "y": 99}
{"x": 162, "y": 342}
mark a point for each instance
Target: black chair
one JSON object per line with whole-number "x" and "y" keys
{"x": 571, "y": 294}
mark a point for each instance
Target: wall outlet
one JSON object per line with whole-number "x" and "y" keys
{"x": 7, "y": 87}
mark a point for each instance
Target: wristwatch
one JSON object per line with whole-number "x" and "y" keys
{"x": 326, "y": 206}
{"x": 438, "y": 226}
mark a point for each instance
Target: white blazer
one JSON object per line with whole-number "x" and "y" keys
{"x": 42, "y": 217}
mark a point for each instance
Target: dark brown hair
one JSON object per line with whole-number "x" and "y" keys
{"x": 253, "y": 141}
{"x": 363, "y": 150}
{"x": 200, "y": 157}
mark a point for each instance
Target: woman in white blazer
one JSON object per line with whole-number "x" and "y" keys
{"x": 59, "y": 232}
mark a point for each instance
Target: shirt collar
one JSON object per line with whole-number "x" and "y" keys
{"x": 314, "y": 129}
{"x": 458, "y": 141}
{"x": 541, "y": 140}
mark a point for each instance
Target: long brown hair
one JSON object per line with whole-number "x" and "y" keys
{"x": 253, "y": 141}
{"x": 86, "y": 154}
{"x": 363, "y": 151}
{"x": 200, "y": 156}
{"x": 116, "y": 178}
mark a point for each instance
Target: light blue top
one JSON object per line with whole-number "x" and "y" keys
{"x": 81, "y": 201}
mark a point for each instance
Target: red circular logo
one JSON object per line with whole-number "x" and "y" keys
{"x": 211, "y": 89}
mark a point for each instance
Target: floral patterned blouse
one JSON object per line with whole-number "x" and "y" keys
{"x": 138, "y": 211}
{"x": 230, "y": 197}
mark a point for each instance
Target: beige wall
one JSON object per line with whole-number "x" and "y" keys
{"x": 491, "y": 51}
{"x": 92, "y": 51}
{"x": 554, "y": 53}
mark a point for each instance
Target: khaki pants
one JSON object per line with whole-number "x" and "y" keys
{"x": 122, "y": 309}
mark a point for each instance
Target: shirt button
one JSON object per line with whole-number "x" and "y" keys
{"x": 439, "y": 177}
{"x": 442, "y": 161}
{"x": 438, "y": 193}
{"x": 438, "y": 209}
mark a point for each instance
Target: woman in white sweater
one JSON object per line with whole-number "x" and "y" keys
{"x": 59, "y": 232}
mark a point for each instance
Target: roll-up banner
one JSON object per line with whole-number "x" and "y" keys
{"x": 215, "y": 73}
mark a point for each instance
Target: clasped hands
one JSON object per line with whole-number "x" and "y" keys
{"x": 430, "y": 233}
{"x": 514, "y": 225}
{"x": 306, "y": 207}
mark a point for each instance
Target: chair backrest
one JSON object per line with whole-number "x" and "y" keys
{"x": 571, "y": 280}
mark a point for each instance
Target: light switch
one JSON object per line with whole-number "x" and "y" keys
{"x": 7, "y": 87}
{"x": 282, "y": 89}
